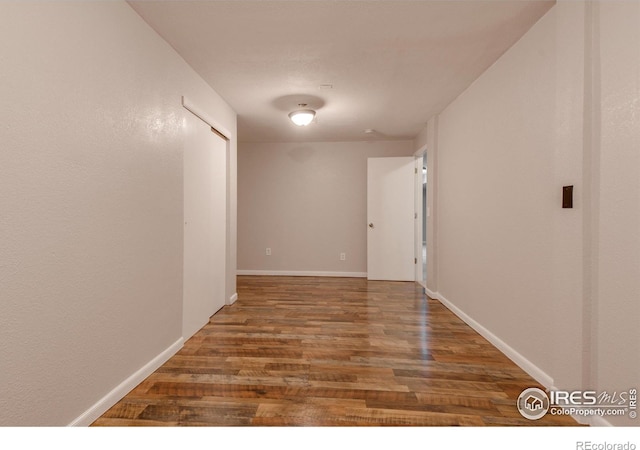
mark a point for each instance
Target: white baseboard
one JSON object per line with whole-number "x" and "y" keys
{"x": 538, "y": 374}
{"x": 534, "y": 371}
{"x": 101, "y": 406}
{"x": 232, "y": 299}
{"x": 288, "y": 273}
{"x": 431, "y": 294}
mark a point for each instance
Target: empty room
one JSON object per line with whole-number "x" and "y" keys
{"x": 320, "y": 214}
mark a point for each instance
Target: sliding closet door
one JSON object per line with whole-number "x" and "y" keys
{"x": 205, "y": 155}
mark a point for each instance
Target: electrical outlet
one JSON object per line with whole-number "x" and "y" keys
{"x": 268, "y": 251}
{"x": 343, "y": 256}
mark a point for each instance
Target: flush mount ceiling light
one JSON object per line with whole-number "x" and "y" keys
{"x": 302, "y": 117}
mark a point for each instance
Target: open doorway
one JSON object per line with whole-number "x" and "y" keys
{"x": 424, "y": 219}
{"x": 421, "y": 214}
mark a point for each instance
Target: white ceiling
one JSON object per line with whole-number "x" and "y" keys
{"x": 391, "y": 64}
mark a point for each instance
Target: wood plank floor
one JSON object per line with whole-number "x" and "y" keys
{"x": 304, "y": 351}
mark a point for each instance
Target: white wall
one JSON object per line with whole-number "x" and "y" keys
{"x": 617, "y": 207}
{"x": 557, "y": 289}
{"x": 307, "y": 202}
{"x": 505, "y": 148}
{"x": 91, "y": 195}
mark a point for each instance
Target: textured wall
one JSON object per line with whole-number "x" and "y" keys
{"x": 508, "y": 255}
{"x": 617, "y": 211}
{"x": 91, "y": 197}
{"x": 560, "y": 286}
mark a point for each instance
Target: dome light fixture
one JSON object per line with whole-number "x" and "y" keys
{"x": 302, "y": 117}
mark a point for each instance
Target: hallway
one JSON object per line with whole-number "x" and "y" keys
{"x": 304, "y": 351}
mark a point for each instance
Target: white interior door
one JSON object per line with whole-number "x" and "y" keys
{"x": 390, "y": 210}
{"x": 205, "y": 156}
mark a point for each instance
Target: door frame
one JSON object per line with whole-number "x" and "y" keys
{"x": 420, "y": 161}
